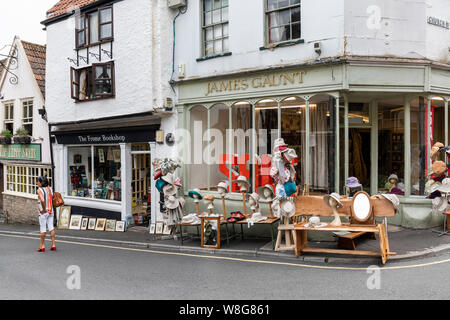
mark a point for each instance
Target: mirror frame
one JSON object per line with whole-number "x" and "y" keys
{"x": 370, "y": 206}
{"x": 217, "y": 245}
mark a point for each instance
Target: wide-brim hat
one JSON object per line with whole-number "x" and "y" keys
{"x": 392, "y": 198}
{"x": 196, "y": 192}
{"x": 439, "y": 167}
{"x": 445, "y": 186}
{"x": 241, "y": 180}
{"x": 223, "y": 185}
{"x": 158, "y": 175}
{"x": 440, "y": 203}
{"x": 290, "y": 188}
{"x": 159, "y": 184}
{"x": 287, "y": 208}
{"x": 208, "y": 197}
{"x": 169, "y": 189}
{"x": 261, "y": 189}
{"x": 172, "y": 202}
{"x": 335, "y": 196}
{"x": 289, "y": 154}
{"x": 168, "y": 178}
{"x": 352, "y": 182}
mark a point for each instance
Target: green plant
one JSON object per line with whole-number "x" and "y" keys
{"x": 6, "y": 133}
{"x": 22, "y": 132}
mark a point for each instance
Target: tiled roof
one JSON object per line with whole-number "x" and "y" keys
{"x": 62, "y": 6}
{"x": 36, "y": 56}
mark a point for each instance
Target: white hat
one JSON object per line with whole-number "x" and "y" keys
{"x": 168, "y": 178}
{"x": 392, "y": 198}
{"x": 172, "y": 202}
{"x": 223, "y": 185}
{"x": 393, "y": 176}
{"x": 266, "y": 187}
{"x": 287, "y": 208}
{"x": 242, "y": 180}
{"x": 279, "y": 143}
{"x": 182, "y": 202}
{"x": 290, "y": 154}
{"x": 314, "y": 222}
{"x": 169, "y": 190}
{"x": 445, "y": 186}
{"x": 336, "y": 197}
{"x": 255, "y": 197}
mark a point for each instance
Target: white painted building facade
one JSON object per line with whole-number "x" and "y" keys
{"x": 137, "y": 52}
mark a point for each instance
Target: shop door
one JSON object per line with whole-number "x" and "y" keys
{"x": 359, "y": 156}
{"x": 141, "y": 184}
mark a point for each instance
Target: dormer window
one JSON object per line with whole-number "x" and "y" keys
{"x": 94, "y": 27}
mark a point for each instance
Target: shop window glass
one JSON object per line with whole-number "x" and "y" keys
{"x": 107, "y": 177}
{"x": 418, "y": 146}
{"x": 80, "y": 171}
{"x": 293, "y": 132}
{"x": 266, "y": 126}
{"x": 215, "y": 27}
{"x": 283, "y": 20}
{"x": 391, "y": 144}
{"x": 322, "y": 144}
{"x": 242, "y": 142}
{"x": 438, "y": 123}
{"x": 198, "y": 126}
{"x": 218, "y": 151}
{"x": 22, "y": 179}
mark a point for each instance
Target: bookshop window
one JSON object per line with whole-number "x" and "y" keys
{"x": 80, "y": 171}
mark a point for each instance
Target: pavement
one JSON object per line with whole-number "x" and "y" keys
{"x": 407, "y": 243}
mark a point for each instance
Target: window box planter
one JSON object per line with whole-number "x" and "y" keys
{"x": 22, "y": 139}
{"x": 5, "y": 137}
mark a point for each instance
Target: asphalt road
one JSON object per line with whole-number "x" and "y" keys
{"x": 119, "y": 272}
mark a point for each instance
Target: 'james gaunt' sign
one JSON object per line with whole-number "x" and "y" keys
{"x": 264, "y": 81}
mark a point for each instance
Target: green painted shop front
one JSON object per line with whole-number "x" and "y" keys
{"x": 353, "y": 117}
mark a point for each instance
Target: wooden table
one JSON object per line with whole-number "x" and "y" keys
{"x": 182, "y": 224}
{"x": 269, "y": 222}
{"x": 302, "y": 240}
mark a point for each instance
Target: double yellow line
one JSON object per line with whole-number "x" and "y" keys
{"x": 298, "y": 265}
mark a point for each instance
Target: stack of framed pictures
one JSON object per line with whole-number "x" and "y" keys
{"x": 77, "y": 222}
{"x": 160, "y": 228}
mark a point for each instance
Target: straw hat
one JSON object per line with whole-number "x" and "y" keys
{"x": 172, "y": 202}
{"x": 169, "y": 190}
{"x": 242, "y": 180}
{"x": 196, "y": 192}
{"x": 336, "y": 197}
{"x": 439, "y": 167}
{"x": 266, "y": 187}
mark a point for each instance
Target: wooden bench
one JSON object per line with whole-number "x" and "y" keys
{"x": 315, "y": 206}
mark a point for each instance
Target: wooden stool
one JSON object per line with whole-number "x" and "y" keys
{"x": 290, "y": 236}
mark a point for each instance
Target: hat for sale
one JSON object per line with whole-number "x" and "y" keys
{"x": 392, "y": 198}
{"x": 445, "y": 186}
{"x": 158, "y": 175}
{"x": 266, "y": 187}
{"x": 335, "y": 196}
{"x": 393, "y": 176}
{"x": 182, "y": 202}
{"x": 172, "y": 202}
{"x": 196, "y": 192}
{"x": 289, "y": 154}
{"x": 159, "y": 184}
{"x": 242, "y": 180}
{"x": 223, "y": 186}
{"x": 290, "y": 188}
{"x": 208, "y": 197}
{"x": 439, "y": 167}
{"x": 352, "y": 182}
{"x": 169, "y": 189}
{"x": 255, "y": 197}
{"x": 168, "y": 178}
{"x": 287, "y": 208}
{"x": 177, "y": 182}
{"x": 279, "y": 145}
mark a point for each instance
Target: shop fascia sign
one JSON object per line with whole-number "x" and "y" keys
{"x": 102, "y": 138}
{"x": 438, "y": 22}
{"x": 283, "y": 79}
{"x": 29, "y": 152}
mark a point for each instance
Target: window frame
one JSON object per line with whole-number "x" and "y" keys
{"x": 22, "y": 176}
{"x": 267, "y": 28}
{"x": 87, "y": 27}
{"x": 92, "y": 80}
{"x": 212, "y": 25}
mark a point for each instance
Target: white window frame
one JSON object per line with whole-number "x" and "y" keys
{"x": 22, "y": 177}
{"x": 213, "y": 25}
{"x": 27, "y": 118}
{"x": 8, "y": 112}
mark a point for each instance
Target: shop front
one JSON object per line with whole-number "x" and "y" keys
{"x": 345, "y": 118}
{"x": 20, "y": 166}
{"x": 106, "y": 172}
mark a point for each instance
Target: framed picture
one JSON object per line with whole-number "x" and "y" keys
{"x": 100, "y": 224}
{"x": 64, "y": 217}
{"x": 159, "y": 228}
{"x": 101, "y": 156}
{"x": 91, "y": 223}
{"x": 84, "y": 223}
{"x": 110, "y": 225}
{"x": 152, "y": 228}
{"x": 167, "y": 229}
{"x": 210, "y": 236}
{"x": 120, "y": 226}
{"x": 77, "y": 158}
{"x": 75, "y": 222}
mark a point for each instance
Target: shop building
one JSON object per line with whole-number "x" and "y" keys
{"x": 108, "y": 94}
{"x": 22, "y": 91}
{"x": 340, "y": 81}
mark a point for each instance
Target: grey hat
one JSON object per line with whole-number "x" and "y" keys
{"x": 393, "y": 176}
{"x": 336, "y": 197}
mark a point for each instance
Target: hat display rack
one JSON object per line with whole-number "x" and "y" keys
{"x": 223, "y": 189}
{"x": 168, "y": 185}
{"x": 283, "y": 173}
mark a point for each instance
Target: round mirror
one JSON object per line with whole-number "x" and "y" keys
{"x": 361, "y": 206}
